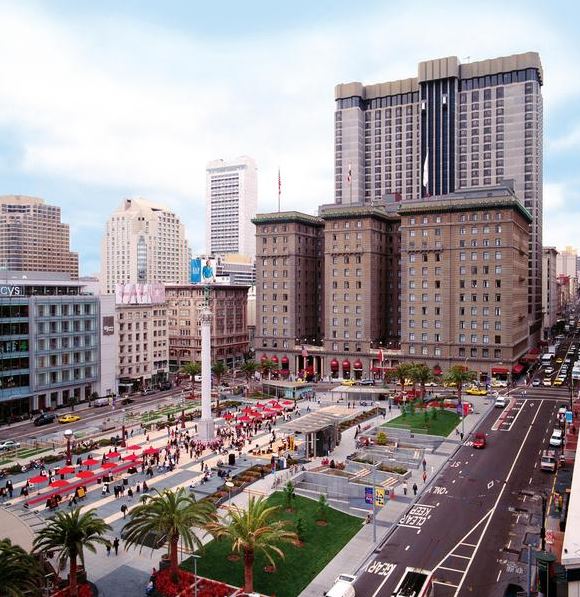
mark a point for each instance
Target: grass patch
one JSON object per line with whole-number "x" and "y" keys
{"x": 301, "y": 564}
{"x": 443, "y": 424}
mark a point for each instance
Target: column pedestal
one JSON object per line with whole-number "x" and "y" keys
{"x": 205, "y": 429}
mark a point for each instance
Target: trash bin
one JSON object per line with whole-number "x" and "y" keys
{"x": 231, "y": 459}
{"x": 125, "y": 481}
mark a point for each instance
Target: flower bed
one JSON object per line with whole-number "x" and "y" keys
{"x": 166, "y": 586}
{"x": 369, "y": 414}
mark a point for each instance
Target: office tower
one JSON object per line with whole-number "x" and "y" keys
{"x": 549, "y": 289}
{"x": 453, "y": 127}
{"x": 566, "y": 262}
{"x": 231, "y": 200}
{"x": 143, "y": 243}
{"x": 33, "y": 239}
{"x": 464, "y": 279}
{"x": 229, "y": 336}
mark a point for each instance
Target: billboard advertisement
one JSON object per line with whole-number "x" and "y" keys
{"x": 108, "y": 325}
{"x": 203, "y": 270}
{"x": 139, "y": 294}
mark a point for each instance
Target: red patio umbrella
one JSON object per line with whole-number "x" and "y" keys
{"x": 132, "y": 457}
{"x": 112, "y": 455}
{"x": 38, "y": 479}
{"x": 66, "y": 470}
{"x": 228, "y": 416}
{"x": 59, "y": 483}
{"x": 90, "y": 462}
{"x": 150, "y": 451}
{"x": 85, "y": 474}
{"x": 245, "y": 420}
{"x": 134, "y": 448}
{"x": 288, "y": 402}
{"x": 108, "y": 465}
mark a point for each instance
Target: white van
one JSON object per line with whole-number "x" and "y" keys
{"x": 101, "y": 402}
{"x": 342, "y": 587}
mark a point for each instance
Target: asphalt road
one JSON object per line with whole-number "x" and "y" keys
{"x": 460, "y": 525}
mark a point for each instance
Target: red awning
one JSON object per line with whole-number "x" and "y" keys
{"x": 285, "y": 360}
{"x": 500, "y": 370}
{"x": 358, "y": 364}
{"x": 530, "y": 357}
{"x": 437, "y": 370}
{"x": 517, "y": 369}
{"x": 334, "y": 365}
{"x": 264, "y": 358}
{"x": 346, "y": 364}
{"x": 274, "y": 359}
{"x": 375, "y": 369}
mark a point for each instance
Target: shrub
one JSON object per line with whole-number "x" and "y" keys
{"x": 300, "y": 529}
{"x": 381, "y": 439}
{"x": 322, "y": 508}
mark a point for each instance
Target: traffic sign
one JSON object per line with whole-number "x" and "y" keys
{"x": 569, "y": 416}
{"x": 380, "y": 497}
{"x": 368, "y": 495}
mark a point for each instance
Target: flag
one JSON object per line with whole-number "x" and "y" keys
{"x": 279, "y": 183}
{"x": 381, "y": 357}
{"x": 426, "y": 170}
{"x": 349, "y": 175}
{"x": 304, "y": 351}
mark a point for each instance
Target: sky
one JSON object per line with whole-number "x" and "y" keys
{"x": 105, "y": 100}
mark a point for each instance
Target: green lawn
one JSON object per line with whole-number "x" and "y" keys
{"x": 300, "y": 565}
{"x": 443, "y": 423}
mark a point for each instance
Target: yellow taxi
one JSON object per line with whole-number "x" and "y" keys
{"x": 476, "y": 391}
{"x": 348, "y": 382}
{"x": 69, "y": 419}
{"x": 559, "y": 360}
{"x": 558, "y": 381}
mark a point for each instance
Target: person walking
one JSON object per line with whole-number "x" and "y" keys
{"x": 405, "y": 488}
{"x": 116, "y": 545}
{"x": 124, "y": 510}
{"x": 424, "y": 476}
{"x": 108, "y": 546}
{"x": 424, "y": 465}
{"x": 415, "y": 488}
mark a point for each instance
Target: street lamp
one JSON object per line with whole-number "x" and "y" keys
{"x": 68, "y": 435}
{"x": 230, "y": 485}
{"x": 195, "y": 558}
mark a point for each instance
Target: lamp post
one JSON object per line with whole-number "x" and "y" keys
{"x": 195, "y": 558}
{"x": 230, "y": 485}
{"x": 68, "y": 435}
{"x": 123, "y": 442}
{"x": 182, "y": 411}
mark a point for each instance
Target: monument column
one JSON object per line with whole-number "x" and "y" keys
{"x": 206, "y": 424}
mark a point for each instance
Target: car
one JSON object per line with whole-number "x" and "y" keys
{"x": 343, "y": 587}
{"x": 9, "y": 444}
{"x": 148, "y": 391}
{"x": 500, "y": 402}
{"x": 431, "y": 384}
{"x": 163, "y": 387}
{"x": 101, "y": 402}
{"x": 348, "y": 382}
{"x": 476, "y": 391}
{"x": 367, "y": 382}
{"x": 558, "y": 381}
{"x": 44, "y": 419}
{"x": 548, "y": 461}
{"x": 126, "y": 401}
{"x": 479, "y": 441}
{"x": 559, "y": 360}
{"x": 197, "y": 378}
{"x": 549, "y": 370}
{"x": 562, "y": 413}
{"x": 547, "y": 381}
{"x": 69, "y": 419}
{"x": 536, "y": 382}
{"x": 557, "y": 438}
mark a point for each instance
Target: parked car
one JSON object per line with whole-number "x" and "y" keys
{"x": 44, "y": 419}
{"x": 476, "y": 391}
{"x": 69, "y": 419}
{"x": 9, "y": 444}
{"x": 197, "y": 378}
{"x": 101, "y": 402}
{"x": 547, "y": 381}
{"x": 500, "y": 402}
{"x": 148, "y": 391}
{"x": 536, "y": 382}
{"x": 549, "y": 462}
{"x": 165, "y": 386}
{"x": 431, "y": 384}
{"x": 348, "y": 382}
{"x": 479, "y": 441}
{"x": 367, "y": 382}
{"x": 557, "y": 438}
{"x": 343, "y": 587}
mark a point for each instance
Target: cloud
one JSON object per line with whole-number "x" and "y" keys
{"x": 119, "y": 104}
{"x": 554, "y": 196}
{"x": 568, "y": 141}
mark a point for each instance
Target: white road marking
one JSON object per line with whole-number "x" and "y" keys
{"x": 382, "y": 584}
{"x": 530, "y": 481}
{"x": 454, "y": 555}
{"x": 509, "y": 543}
{"x": 444, "y": 583}
{"x": 407, "y": 548}
{"x": 451, "y": 569}
{"x": 490, "y": 485}
{"x": 492, "y": 511}
{"x": 498, "y": 575}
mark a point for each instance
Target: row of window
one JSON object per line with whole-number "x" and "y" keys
{"x": 474, "y": 352}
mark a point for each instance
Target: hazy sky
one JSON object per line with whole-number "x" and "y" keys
{"x": 102, "y": 100}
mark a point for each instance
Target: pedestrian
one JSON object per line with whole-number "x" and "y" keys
{"x": 415, "y": 488}
{"x": 405, "y": 488}
{"x": 116, "y": 546}
{"x": 108, "y": 548}
{"x": 390, "y": 407}
{"x": 9, "y": 487}
{"x": 424, "y": 476}
{"x": 461, "y": 435}
{"x": 424, "y": 465}
{"x": 124, "y": 510}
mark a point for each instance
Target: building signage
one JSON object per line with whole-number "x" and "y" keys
{"x": 368, "y": 495}
{"x": 380, "y": 497}
{"x": 10, "y": 290}
{"x": 195, "y": 277}
{"x": 139, "y": 294}
{"x": 203, "y": 270}
{"x": 108, "y": 325}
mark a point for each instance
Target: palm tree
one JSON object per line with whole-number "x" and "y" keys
{"x": 192, "y": 369}
{"x": 402, "y": 373}
{"x": 69, "y": 533}
{"x": 249, "y": 368}
{"x": 421, "y": 374}
{"x": 458, "y": 376}
{"x": 171, "y": 515}
{"x": 20, "y": 572}
{"x": 219, "y": 369}
{"x": 253, "y": 530}
{"x": 267, "y": 366}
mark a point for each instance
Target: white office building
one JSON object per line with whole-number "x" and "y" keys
{"x": 143, "y": 243}
{"x": 232, "y": 197}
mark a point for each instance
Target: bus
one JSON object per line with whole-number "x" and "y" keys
{"x": 547, "y": 359}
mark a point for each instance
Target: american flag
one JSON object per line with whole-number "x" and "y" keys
{"x": 279, "y": 183}
{"x": 349, "y": 175}
{"x": 304, "y": 351}
{"x": 381, "y": 356}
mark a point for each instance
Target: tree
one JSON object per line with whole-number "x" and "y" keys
{"x": 421, "y": 374}
{"x": 249, "y": 369}
{"x": 219, "y": 369}
{"x": 170, "y": 515}
{"x": 253, "y": 530}
{"x": 402, "y": 373}
{"x": 289, "y": 495}
{"x": 192, "y": 369}
{"x": 20, "y": 571}
{"x": 267, "y": 366}
{"x": 322, "y": 508}
{"x": 68, "y": 534}
{"x": 458, "y": 376}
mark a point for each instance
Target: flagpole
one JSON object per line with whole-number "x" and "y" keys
{"x": 279, "y": 189}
